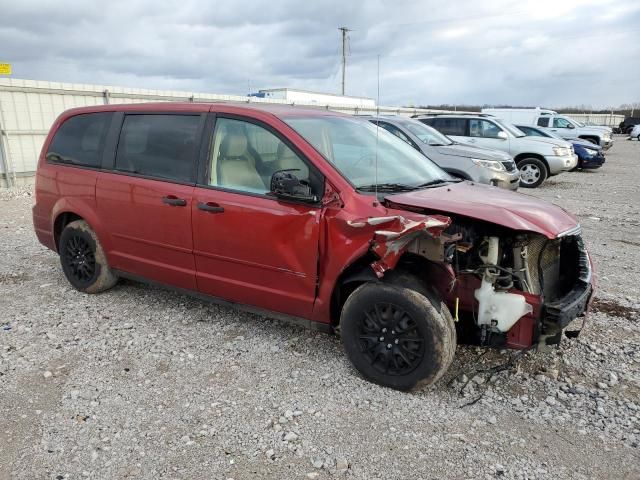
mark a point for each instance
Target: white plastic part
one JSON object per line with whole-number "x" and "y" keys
{"x": 492, "y": 251}
{"x": 500, "y": 310}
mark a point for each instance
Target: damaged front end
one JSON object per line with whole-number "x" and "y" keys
{"x": 505, "y": 288}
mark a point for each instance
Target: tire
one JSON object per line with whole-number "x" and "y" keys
{"x": 535, "y": 172}
{"x": 416, "y": 355}
{"x": 592, "y": 140}
{"x": 83, "y": 260}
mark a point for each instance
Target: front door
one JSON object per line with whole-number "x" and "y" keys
{"x": 485, "y": 133}
{"x": 250, "y": 247}
{"x": 145, "y": 201}
{"x": 564, "y": 128}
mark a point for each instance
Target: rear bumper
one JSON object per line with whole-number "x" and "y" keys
{"x": 42, "y": 230}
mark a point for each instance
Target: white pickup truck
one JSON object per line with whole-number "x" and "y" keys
{"x": 561, "y": 125}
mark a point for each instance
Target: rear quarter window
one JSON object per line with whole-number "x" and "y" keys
{"x": 543, "y": 121}
{"x": 80, "y": 140}
{"x": 450, "y": 126}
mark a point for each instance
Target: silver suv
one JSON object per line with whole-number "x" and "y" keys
{"x": 478, "y": 164}
{"x": 536, "y": 157}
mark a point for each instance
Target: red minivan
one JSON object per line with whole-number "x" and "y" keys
{"x": 310, "y": 216}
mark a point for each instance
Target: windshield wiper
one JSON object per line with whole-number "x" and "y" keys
{"x": 438, "y": 181}
{"x": 387, "y": 187}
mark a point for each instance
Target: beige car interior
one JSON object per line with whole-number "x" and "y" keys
{"x": 237, "y": 162}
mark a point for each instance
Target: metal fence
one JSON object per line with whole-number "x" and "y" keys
{"x": 28, "y": 108}
{"x": 608, "y": 119}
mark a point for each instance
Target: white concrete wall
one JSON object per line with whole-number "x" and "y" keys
{"x": 29, "y": 107}
{"x": 302, "y": 97}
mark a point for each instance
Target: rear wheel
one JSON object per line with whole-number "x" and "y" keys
{"x": 83, "y": 260}
{"x": 533, "y": 172}
{"x": 396, "y": 337}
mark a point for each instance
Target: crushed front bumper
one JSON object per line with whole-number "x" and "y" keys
{"x": 558, "y": 313}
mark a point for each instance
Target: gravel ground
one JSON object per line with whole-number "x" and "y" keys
{"x": 143, "y": 383}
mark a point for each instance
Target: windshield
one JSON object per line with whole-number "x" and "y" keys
{"x": 350, "y": 145}
{"x": 512, "y": 129}
{"x": 426, "y": 134}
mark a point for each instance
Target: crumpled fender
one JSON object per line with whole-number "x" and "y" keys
{"x": 393, "y": 233}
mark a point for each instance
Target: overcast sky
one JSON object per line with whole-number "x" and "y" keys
{"x": 537, "y": 52}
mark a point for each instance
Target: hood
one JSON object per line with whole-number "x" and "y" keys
{"x": 590, "y": 129}
{"x": 459, "y": 150}
{"x": 585, "y": 143}
{"x": 556, "y": 142}
{"x": 490, "y": 204}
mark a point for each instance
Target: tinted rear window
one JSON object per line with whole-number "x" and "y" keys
{"x": 450, "y": 126}
{"x": 543, "y": 121}
{"x": 80, "y": 140}
{"x": 159, "y": 146}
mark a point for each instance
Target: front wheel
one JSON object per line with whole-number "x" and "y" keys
{"x": 396, "y": 337}
{"x": 83, "y": 260}
{"x": 533, "y": 172}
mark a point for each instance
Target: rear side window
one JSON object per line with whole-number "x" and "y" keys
{"x": 80, "y": 140}
{"x": 450, "y": 126}
{"x": 161, "y": 146}
{"x": 543, "y": 121}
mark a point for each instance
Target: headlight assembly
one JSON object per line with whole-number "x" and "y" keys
{"x": 561, "y": 151}
{"x": 490, "y": 164}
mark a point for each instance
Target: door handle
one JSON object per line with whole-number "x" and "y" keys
{"x": 210, "y": 207}
{"x": 174, "y": 201}
{"x": 472, "y": 140}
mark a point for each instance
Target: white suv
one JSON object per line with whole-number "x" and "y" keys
{"x": 562, "y": 125}
{"x": 536, "y": 157}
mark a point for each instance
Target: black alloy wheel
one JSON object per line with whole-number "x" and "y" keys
{"x": 80, "y": 259}
{"x": 390, "y": 339}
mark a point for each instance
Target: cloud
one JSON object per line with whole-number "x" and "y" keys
{"x": 537, "y": 53}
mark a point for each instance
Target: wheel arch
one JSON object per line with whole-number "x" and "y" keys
{"x": 590, "y": 138}
{"x": 522, "y": 156}
{"x": 430, "y": 280}
{"x": 67, "y": 210}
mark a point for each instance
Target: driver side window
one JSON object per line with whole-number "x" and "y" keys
{"x": 483, "y": 128}
{"x": 560, "y": 123}
{"x": 244, "y": 156}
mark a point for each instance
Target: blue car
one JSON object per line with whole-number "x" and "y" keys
{"x": 589, "y": 154}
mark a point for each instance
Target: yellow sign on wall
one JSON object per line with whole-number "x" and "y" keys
{"x": 5, "y": 69}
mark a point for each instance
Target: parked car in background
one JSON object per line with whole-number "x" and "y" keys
{"x": 482, "y": 165}
{"x": 562, "y": 125}
{"x": 589, "y": 155}
{"x": 283, "y": 211}
{"x": 635, "y": 133}
{"x": 627, "y": 125}
{"x": 537, "y": 158}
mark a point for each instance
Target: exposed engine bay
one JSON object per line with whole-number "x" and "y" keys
{"x": 507, "y": 288}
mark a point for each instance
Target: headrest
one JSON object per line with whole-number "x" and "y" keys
{"x": 234, "y": 145}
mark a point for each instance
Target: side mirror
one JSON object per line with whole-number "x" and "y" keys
{"x": 569, "y": 125}
{"x": 285, "y": 185}
{"x": 502, "y": 135}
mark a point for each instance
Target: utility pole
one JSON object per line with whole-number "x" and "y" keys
{"x": 344, "y": 31}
